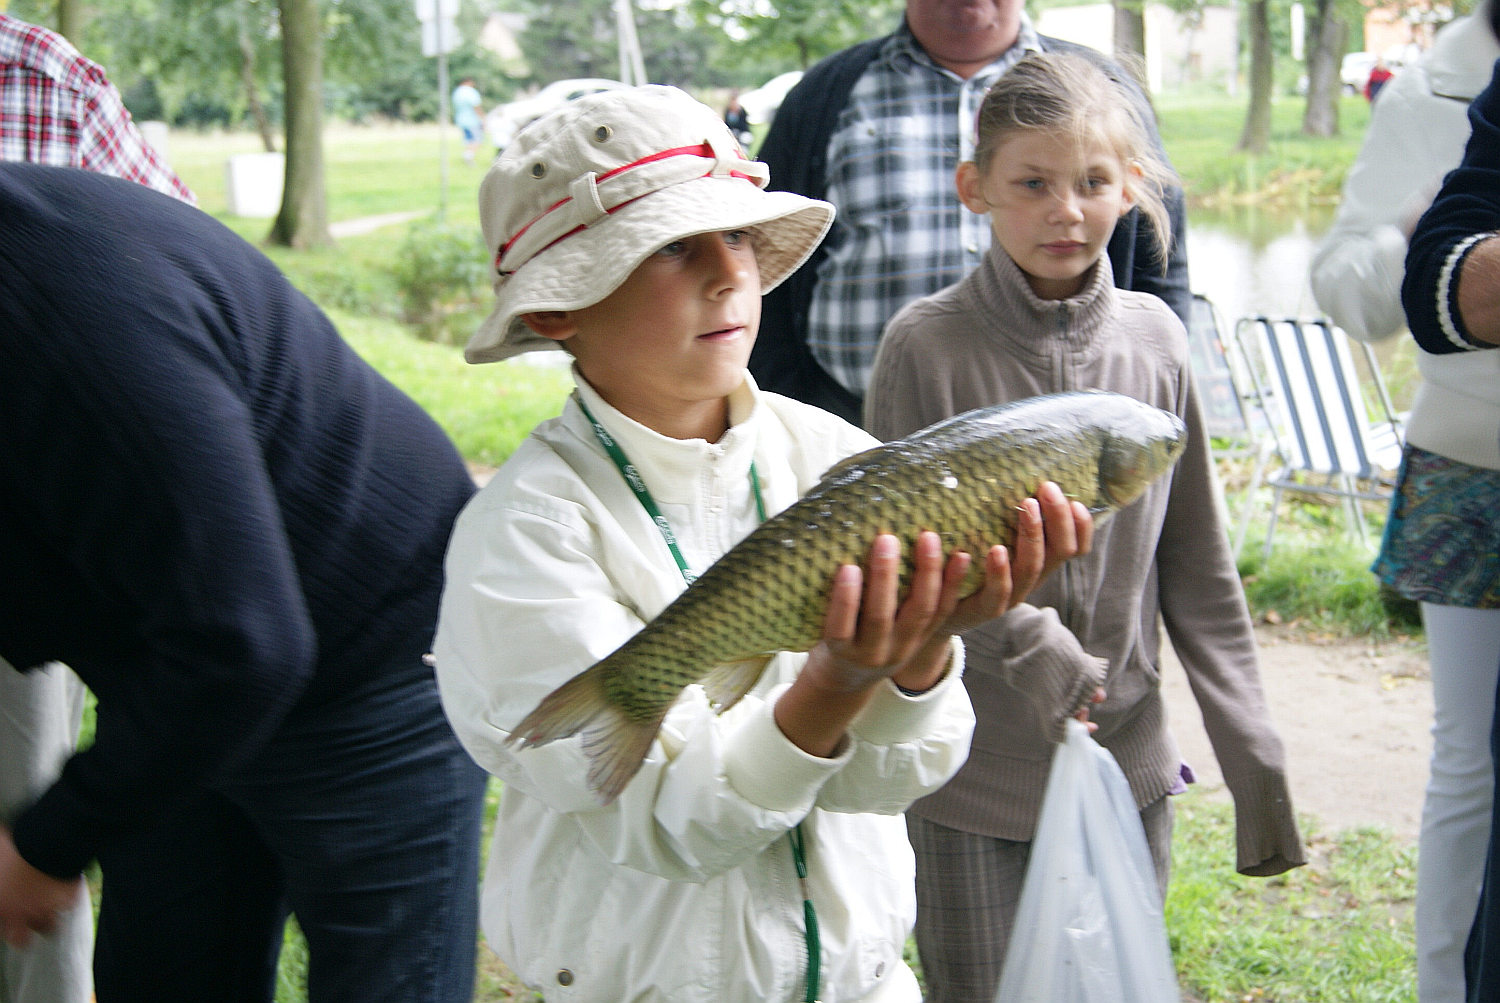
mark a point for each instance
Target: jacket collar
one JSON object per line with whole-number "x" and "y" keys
{"x": 672, "y": 468}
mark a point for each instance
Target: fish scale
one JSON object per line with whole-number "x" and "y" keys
{"x": 963, "y": 478}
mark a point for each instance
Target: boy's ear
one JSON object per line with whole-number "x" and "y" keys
{"x": 970, "y": 183}
{"x": 557, "y": 325}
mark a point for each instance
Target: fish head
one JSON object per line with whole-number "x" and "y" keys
{"x": 1139, "y": 443}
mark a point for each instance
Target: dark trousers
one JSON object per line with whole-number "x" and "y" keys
{"x": 361, "y": 817}
{"x": 1482, "y": 955}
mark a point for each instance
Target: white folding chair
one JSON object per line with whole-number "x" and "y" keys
{"x": 1219, "y": 390}
{"x": 1304, "y": 381}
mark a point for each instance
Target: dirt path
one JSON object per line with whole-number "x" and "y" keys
{"x": 1356, "y": 721}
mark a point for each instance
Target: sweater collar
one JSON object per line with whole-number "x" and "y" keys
{"x": 671, "y": 467}
{"x": 1037, "y": 326}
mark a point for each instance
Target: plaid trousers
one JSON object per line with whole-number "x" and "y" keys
{"x": 968, "y": 888}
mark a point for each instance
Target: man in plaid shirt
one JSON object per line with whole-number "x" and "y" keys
{"x": 56, "y": 108}
{"x": 878, "y": 130}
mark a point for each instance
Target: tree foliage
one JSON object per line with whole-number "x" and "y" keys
{"x": 580, "y": 39}
{"x": 192, "y": 62}
{"x": 778, "y": 35}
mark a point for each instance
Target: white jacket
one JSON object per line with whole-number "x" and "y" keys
{"x": 684, "y": 888}
{"x": 1417, "y": 134}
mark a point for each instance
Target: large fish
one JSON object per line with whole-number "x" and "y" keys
{"x": 962, "y": 478}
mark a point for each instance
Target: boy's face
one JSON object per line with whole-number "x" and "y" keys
{"x": 1052, "y": 202}
{"x": 672, "y": 342}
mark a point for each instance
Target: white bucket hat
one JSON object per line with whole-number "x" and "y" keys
{"x": 585, "y": 194}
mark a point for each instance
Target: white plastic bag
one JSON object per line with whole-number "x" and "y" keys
{"x": 1088, "y": 927}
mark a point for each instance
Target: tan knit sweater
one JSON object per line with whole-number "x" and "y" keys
{"x": 1164, "y": 560}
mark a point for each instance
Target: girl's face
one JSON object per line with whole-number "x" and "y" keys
{"x": 1053, "y": 202}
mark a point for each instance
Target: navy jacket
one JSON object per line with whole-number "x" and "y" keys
{"x": 1466, "y": 205}
{"x": 210, "y": 507}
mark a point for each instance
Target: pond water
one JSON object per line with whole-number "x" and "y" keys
{"x": 1251, "y": 261}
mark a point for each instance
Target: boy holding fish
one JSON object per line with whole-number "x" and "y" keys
{"x": 749, "y": 852}
{"x": 1060, "y": 157}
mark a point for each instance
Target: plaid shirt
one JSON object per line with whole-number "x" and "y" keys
{"x": 58, "y": 108}
{"x": 901, "y": 232}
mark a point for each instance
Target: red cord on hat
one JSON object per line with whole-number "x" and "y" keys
{"x": 701, "y": 150}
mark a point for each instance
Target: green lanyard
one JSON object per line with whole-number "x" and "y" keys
{"x": 638, "y": 486}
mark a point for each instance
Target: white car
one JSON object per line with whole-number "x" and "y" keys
{"x": 761, "y": 103}
{"x": 1354, "y": 71}
{"x": 502, "y": 123}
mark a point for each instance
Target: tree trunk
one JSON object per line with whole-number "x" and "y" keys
{"x": 1329, "y": 34}
{"x": 70, "y": 19}
{"x": 1257, "y": 135}
{"x": 252, "y": 89}
{"x": 1130, "y": 38}
{"x": 303, "y": 220}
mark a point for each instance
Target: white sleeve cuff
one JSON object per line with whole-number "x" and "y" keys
{"x": 767, "y": 769}
{"x": 892, "y": 717}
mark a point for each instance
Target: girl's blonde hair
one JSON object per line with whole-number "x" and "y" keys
{"x": 1065, "y": 92}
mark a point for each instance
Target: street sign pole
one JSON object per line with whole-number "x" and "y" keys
{"x": 632, "y": 65}
{"x": 440, "y": 37}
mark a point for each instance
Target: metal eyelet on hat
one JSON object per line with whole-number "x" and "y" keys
{"x": 538, "y": 170}
{"x": 603, "y": 133}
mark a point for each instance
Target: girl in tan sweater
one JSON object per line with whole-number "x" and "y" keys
{"x": 1060, "y": 158}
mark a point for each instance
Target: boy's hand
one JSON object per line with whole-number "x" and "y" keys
{"x": 30, "y": 901}
{"x": 865, "y": 636}
{"x": 1049, "y": 530}
{"x": 868, "y": 636}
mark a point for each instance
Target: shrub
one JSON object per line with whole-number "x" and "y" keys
{"x": 440, "y": 271}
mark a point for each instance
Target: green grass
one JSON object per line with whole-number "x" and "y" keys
{"x": 1201, "y": 131}
{"x": 486, "y": 410}
{"x": 370, "y": 171}
{"x": 1338, "y": 929}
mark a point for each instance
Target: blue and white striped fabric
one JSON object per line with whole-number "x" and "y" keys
{"x": 1306, "y": 385}
{"x": 1316, "y": 389}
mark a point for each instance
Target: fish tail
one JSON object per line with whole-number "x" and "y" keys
{"x": 615, "y": 743}
{"x": 565, "y": 711}
{"x": 616, "y": 747}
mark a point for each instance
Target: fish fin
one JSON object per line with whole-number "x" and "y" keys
{"x": 847, "y": 462}
{"x": 615, "y": 745}
{"x": 726, "y": 683}
{"x": 565, "y": 711}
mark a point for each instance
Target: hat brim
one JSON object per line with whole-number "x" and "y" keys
{"x": 585, "y": 267}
